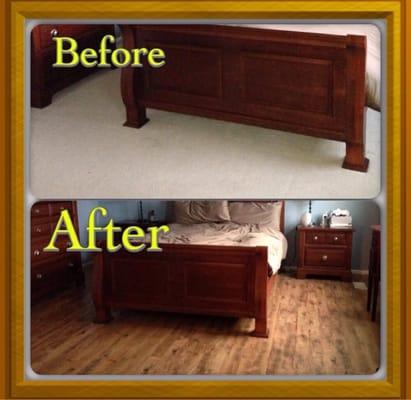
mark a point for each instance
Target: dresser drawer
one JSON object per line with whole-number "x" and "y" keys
{"x": 57, "y": 208}
{"x": 39, "y": 256}
{"x": 44, "y": 226}
{"x": 50, "y": 271}
{"x": 49, "y": 277}
{"x": 40, "y": 210}
{"x": 40, "y": 229}
{"x": 327, "y": 257}
{"x": 315, "y": 237}
{"x": 47, "y": 32}
{"x": 336, "y": 238}
{"x": 62, "y": 242}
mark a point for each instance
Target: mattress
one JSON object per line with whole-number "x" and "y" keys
{"x": 373, "y": 62}
{"x": 231, "y": 234}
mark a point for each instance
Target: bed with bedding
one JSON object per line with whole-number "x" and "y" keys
{"x": 299, "y": 79}
{"x": 219, "y": 258}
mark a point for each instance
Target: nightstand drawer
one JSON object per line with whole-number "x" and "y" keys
{"x": 315, "y": 237}
{"x": 335, "y": 238}
{"x": 327, "y": 257}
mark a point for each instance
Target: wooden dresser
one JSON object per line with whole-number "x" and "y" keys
{"x": 324, "y": 251}
{"x": 52, "y": 271}
{"x": 46, "y": 80}
{"x": 374, "y": 271}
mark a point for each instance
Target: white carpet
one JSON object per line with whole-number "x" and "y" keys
{"x": 79, "y": 149}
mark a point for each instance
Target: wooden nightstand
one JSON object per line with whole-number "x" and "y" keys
{"x": 324, "y": 251}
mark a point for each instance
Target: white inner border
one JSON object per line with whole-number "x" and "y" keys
{"x": 30, "y": 200}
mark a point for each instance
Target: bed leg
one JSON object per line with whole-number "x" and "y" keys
{"x": 132, "y": 85}
{"x": 98, "y": 285}
{"x": 300, "y": 274}
{"x": 136, "y": 117}
{"x": 40, "y": 98}
{"x": 347, "y": 277}
{"x": 354, "y": 157}
{"x": 103, "y": 315}
{"x": 261, "y": 329}
{"x": 261, "y": 293}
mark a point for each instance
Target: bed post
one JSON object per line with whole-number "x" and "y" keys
{"x": 131, "y": 84}
{"x": 261, "y": 277}
{"x": 356, "y": 99}
{"x": 97, "y": 288}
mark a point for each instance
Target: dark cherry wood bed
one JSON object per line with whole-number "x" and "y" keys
{"x": 307, "y": 83}
{"x": 200, "y": 279}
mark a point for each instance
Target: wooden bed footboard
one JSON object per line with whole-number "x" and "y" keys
{"x": 307, "y": 83}
{"x": 200, "y": 279}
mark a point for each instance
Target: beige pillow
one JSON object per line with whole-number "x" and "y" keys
{"x": 256, "y": 212}
{"x": 196, "y": 212}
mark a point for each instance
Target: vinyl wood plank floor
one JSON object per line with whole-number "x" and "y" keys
{"x": 316, "y": 327}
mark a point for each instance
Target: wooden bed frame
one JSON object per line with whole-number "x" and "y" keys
{"x": 199, "y": 279}
{"x": 307, "y": 83}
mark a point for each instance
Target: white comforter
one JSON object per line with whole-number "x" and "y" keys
{"x": 373, "y": 68}
{"x": 231, "y": 234}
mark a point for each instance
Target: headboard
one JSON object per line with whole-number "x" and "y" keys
{"x": 169, "y": 211}
{"x": 282, "y": 217}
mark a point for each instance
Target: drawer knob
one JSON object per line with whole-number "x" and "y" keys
{"x": 38, "y": 230}
{"x": 324, "y": 257}
{"x": 315, "y": 237}
{"x": 70, "y": 264}
{"x": 335, "y": 238}
{"x": 39, "y": 276}
{"x": 61, "y": 208}
{"x": 36, "y": 252}
{"x": 36, "y": 211}
{"x": 54, "y": 32}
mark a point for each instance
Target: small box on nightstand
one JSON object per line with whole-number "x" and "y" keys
{"x": 324, "y": 251}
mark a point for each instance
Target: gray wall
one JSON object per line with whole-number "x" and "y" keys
{"x": 118, "y": 210}
{"x": 364, "y": 213}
